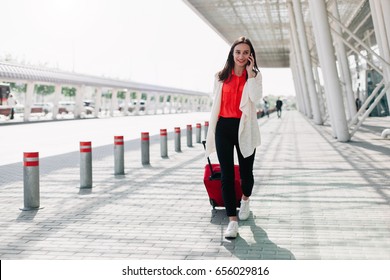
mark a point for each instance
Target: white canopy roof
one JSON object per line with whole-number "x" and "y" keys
{"x": 266, "y": 23}
{"x": 15, "y": 72}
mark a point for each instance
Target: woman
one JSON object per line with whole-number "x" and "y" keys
{"x": 233, "y": 123}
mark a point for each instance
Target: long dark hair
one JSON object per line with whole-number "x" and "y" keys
{"x": 226, "y": 72}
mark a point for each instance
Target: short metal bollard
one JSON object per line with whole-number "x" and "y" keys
{"x": 164, "y": 143}
{"x": 119, "y": 156}
{"x": 206, "y": 128}
{"x": 31, "y": 181}
{"x": 85, "y": 165}
{"x": 145, "y": 145}
{"x": 189, "y": 135}
{"x": 198, "y": 133}
{"x": 177, "y": 139}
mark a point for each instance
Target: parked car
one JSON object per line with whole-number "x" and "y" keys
{"x": 89, "y": 106}
{"x": 46, "y": 107}
{"x": 133, "y": 105}
{"x": 69, "y": 106}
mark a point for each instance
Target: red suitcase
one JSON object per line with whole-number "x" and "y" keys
{"x": 212, "y": 182}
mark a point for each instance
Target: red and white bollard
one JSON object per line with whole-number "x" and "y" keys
{"x": 164, "y": 143}
{"x": 198, "y": 133}
{"x": 85, "y": 165}
{"x": 145, "y": 146}
{"x": 177, "y": 139}
{"x": 206, "y": 128}
{"x": 31, "y": 181}
{"x": 189, "y": 135}
{"x": 119, "y": 156}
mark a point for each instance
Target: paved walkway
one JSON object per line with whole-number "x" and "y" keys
{"x": 314, "y": 198}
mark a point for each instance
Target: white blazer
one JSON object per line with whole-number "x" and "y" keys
{"x": 248, "y": 131}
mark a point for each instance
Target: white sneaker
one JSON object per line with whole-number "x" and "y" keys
{"x": 232, "y": 230}
{"x": 244, "y": 212}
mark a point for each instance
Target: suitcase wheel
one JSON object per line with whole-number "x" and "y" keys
{"x": 213, "y": 203}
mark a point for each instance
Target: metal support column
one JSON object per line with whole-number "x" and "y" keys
{"x": 298, "y": 91}
{"x": 148, "y": 102}
{"x": 125, "y": 106}
{"x": 79, "y": 101}
{"x": 57, "y": 96}
{"x": 297, "y": 51}
{"x": 156, "y": 102}
{"x": 344, "y": 66}
{"x": 138, "y": 96}
{"x": 114, "y": 101}
{"x": 98, "y": 101}
{"x": 171, "y": 102}
{"x": 328, "y": 64}
{"x": 379, "y": 11}
{"x": 162, "y": 102}
{"x": 320, "y": 92}
{"x": 307, "y": 65}
{"x": 29, "y": 101}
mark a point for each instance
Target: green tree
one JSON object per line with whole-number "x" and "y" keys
{"x": 19, "y": 88}
{"x": 121, "y": 94}
{"x": 107, "y": 94}
{"x": 44, "y": 90}
{"x": 68, "y": 92}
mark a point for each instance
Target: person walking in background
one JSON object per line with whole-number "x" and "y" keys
{"x": 266, "y": 107}
{"x": 279, "y": 104}
{"x": 11, "y": 101}
{"x": 233, "y": 123}
{"x": 358, "y": 103}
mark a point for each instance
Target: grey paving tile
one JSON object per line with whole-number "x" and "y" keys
{"x": 314, "y": 198}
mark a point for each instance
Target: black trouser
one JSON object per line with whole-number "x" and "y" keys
{"x": 226, "y": 137}
{"x": 279, "y": 112}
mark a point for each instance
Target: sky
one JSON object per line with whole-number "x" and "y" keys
{"x": 149, "y": 41}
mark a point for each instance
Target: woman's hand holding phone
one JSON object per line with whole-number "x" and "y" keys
{"x": 249, "y": 60}
{"x": 249, "y": 66}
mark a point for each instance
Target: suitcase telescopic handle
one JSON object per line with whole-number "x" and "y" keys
{"x": 208, "y": 159}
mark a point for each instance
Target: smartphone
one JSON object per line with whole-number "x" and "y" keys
{"x": 248, "y": 63}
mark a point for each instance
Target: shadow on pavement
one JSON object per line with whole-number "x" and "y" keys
{"x": 260, "y": 247}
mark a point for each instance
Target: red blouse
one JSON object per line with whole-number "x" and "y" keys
{"x": 231, "y": 96}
